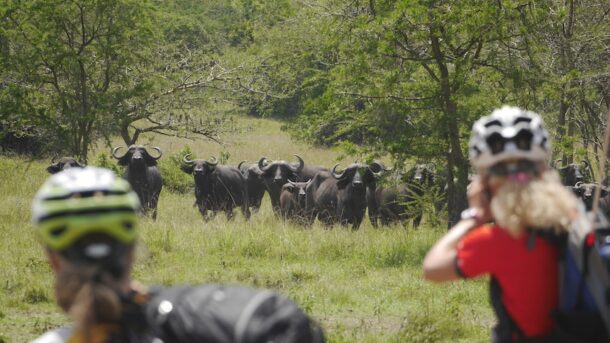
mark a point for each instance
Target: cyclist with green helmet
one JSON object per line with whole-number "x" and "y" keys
{"x": 86, "y": 219}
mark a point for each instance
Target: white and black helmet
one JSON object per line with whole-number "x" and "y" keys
{"x": 508, "y": 133}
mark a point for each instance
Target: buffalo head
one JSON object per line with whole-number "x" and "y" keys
{"x": 279, "y": 172}
{"x": 586, "y": 192}
{"x": 198, "y": 168}
{"x": 574, "y": 173}
{"x": 357, "y": 174}
{"x": 136, "y": 156}
{"x": 297, "y": 189}
{"x": 249, "y": 171}
{"x": 63, "y": 163}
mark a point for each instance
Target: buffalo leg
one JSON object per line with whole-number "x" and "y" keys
{"x": 417, "y": 220}
{"x": 245, "y": 210}
{"x": 153, "y": 205}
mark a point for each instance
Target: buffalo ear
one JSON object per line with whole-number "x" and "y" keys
{"x": 53, "y": 168}
{"x": 288, "y": 187}
{"x": 187, "y": 168}
{"x": 150, "y": 161}
{"x": 341, "y": 184}
{"x": 604, "y": 192}
{"x": 124, "y": 161}
{"x": 256, "y": 172}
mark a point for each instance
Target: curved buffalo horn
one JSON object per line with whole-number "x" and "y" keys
{"x": 301, "y": 164}
{"x": 213, "y": 162}
{"x": 586, "y": 164}
{"x": 578, "y": 184}
{"x": 159, "y": 151}
{"x": 53, "y": 159}
{"x": 114, "y": 153}
{"x": 334, "y": 172}
{"x": 376, "y": 167}
{"x": 291, "y": 182}
{"x": 261, "y": 164}
{"x": 239, "y": 165}
{"x": 186, "y": 160}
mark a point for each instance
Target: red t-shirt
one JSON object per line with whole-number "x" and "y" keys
{"x": 528, "y": 278}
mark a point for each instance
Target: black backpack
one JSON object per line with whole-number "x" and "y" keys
{"x": 227, "y": 314}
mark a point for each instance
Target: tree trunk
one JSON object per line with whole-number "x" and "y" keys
{"x": 457, "y": 164}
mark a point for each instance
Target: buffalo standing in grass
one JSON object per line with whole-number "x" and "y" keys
{"x": 293, "y": 203}
{"x": 586, "y": 191}
{"x": 217, "y": 187}
{"x": 63, "y": 163}
{"x": 308, "y": 171}
{"x": 276, "y": 174}
{"x": 255, "y": 184}
{"x": 574, "y": 173}
{"x": 399, "y": 203}
{"x": 341, "y": 197}
{"x": 143, "y": 175}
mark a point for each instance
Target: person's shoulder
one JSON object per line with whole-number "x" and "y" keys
{"x": 59, "y": 335}
{"x": 485, "y": 231}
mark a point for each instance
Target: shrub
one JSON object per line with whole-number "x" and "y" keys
{"x": 102, "y": 160}
{"x": 174, "y": 179}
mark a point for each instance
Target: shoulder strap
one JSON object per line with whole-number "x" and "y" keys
{"x": 506, "y": 330}
{"x": 582, "y": 244}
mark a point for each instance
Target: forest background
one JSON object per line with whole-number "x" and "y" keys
{"x": 403, "y": 79}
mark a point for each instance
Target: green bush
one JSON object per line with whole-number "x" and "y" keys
{"x": 174, "y": 179}
{"x": 102, "y": 160}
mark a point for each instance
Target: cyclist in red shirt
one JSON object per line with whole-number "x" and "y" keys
{"x": 528, "y": 205}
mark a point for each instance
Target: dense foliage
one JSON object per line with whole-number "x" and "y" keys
{"x": 376, "y": 77}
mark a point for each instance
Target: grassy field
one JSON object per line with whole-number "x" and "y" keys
{"x": 362, "y": 286}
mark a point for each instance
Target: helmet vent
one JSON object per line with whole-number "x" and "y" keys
{"x": 522, "y": 120}
{"x": 86, "y": 194}
{"x": 58, "y": 231}
{"x": 493, "y": 123}
{"x": 85, "y": 212}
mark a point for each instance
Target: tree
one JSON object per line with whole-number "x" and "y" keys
{"x": 91, "y": 69}
{"x": 409, "y": 79}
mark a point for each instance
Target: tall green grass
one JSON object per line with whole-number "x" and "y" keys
{"x": 362, "y": 286}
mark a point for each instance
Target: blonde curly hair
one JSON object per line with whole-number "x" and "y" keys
{"x": 542, "y": 203}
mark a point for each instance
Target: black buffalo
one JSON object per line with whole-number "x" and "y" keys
{"x": 143, "y": 175}
{"x": 307, "y": 172}
{"x": 586, "y": 191}
{"x": 63, "y": 163}
{"x": 293, "y": 202}
{"x": 341, "y": 197}
{"x": 276, "y": 174}
{"x": 574, "y": 172}
{"x": 217, "y": 187}
{"x": 255, "y": 184}
{"x": 401, "y": 202}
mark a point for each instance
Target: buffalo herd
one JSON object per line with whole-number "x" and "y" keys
{"x": 302, "y": 193}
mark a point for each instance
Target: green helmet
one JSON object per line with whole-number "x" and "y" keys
{"x": 81, "y": 201}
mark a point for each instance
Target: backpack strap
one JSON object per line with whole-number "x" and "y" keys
{"x": 581, "y": 245}
{"x": 506, "y": 330}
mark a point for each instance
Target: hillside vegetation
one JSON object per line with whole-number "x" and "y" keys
{"x": 362, "y": 286}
